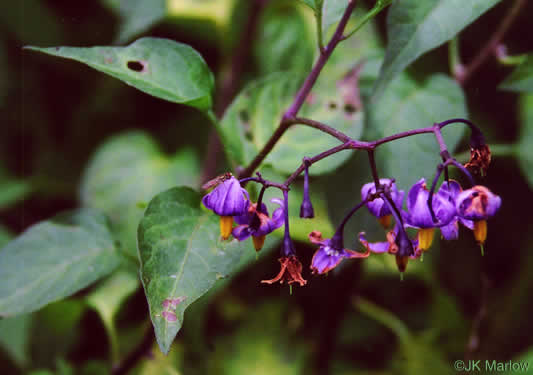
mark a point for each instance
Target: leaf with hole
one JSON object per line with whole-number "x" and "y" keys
{"x": 255, "y": 114}
{"x": 54, "y": 259}
{"x": 160, "y": 67}
{"x": 182, "y": 257}
{"x": 415, "y": 27}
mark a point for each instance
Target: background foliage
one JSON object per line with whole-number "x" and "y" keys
{"x": 82, "y": 156}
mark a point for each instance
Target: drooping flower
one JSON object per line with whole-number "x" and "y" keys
{"x": 330, "y": 253}
{"x": 478, "y": 204}
{"x": 419, "y": 215}
{"x": 397, "y": 244}
{"x": 291, "y": 272}
{"x": 449, "y": 191}
{"x": 378, "y": 207}
{"x": 256, "y": 223}
{"x": 291, "y": 268}
{"x": 227, "y": 199}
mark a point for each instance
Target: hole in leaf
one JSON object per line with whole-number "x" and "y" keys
{"x": 137, "y": 66}
{"x": 349, "y": 108}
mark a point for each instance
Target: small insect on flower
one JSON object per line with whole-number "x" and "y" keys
{"x": 217, "y": 180}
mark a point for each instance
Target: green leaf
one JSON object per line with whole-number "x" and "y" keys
{"x": 5, "y": 236}
{"x": 410, "y": 104}
{"x": 137, "y": 16}
{"x": 255, "y": 114}
{"x": 332, "y": 11}
{"x": 523, "y": 149}
{"x": 107, "y": 298}
{"x": 15, "y": 338}
{"x": 125, "y": 173}
{"x": 12, "y": 190}
{"x": 521, "y": 79}
{"x": 160, "y": 67}
{"x": 415, "y": 27}
{"x": 54, "y": 338}
{"x": 313, "y": 4}
{"x": 54, "y": 259}
{"x": 285, "y": 40}
{"x": 181, "y": 257}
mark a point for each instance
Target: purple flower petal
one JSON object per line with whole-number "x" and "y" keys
{"x": 325, "y": 259}
{"x": 241, "y": 232}
{"x": 378, "y": 207}
{"x": 417, "y": 205}
{"x": 227, "y": 199}
{"x": 375, "y": 247}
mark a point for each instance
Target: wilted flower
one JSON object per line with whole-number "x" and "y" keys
{"x": 227, "y": 199}
{"x": 378, "y": 207}
{"x": 330, "y": 253}
{"x": 420, "y": 217}
{"x": 478, "y": 204}
{"x": 258, "y": 224}
{"x": 291, "y": 271}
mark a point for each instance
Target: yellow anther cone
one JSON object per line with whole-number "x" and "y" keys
{"x": 226, "y": 224}
{"x": 425, "y": 238}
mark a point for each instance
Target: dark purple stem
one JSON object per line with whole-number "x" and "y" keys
{"x": 302, "y": 93}
{"x": 440, "y": 168}
{"x": 314, "y": 159}
{"x": 337, "y": 241}
{"x": 373, "y": 167}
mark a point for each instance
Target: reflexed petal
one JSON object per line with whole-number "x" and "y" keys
{"x": 241, "y": 232}
{"x": 375, "y": 247}
{"x": 316, "y": 238}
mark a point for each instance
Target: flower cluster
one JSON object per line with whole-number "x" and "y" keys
{"x": 426, "y": 210}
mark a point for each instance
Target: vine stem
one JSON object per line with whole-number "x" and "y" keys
{"x": 491, "y": 45}
{"x": 304, "y": 90}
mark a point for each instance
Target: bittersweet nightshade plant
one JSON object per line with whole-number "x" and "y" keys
{"x": 282, "y": 125}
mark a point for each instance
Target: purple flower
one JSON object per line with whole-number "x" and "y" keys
{"x": 227, "y": 199}
{"x": 417, "y": 205}
{"x": 378, "y": 207}
{"x": 328, "y": 256}
{"x": 478, "y": 204}
{"x": 450, "y": 191}
{"x": 256, "y": 222}
{"x": 397, "y": 244}
{"x": 420, "y": 217}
